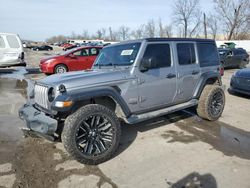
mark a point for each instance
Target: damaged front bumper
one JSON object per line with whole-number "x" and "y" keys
{"x": 38, "y": 123}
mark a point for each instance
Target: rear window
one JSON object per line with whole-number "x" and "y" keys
{"x": 186, "y": 53}
{"x": 13, "y": 42}
{"x": 208, "y": 54}
{"x": 2, "y": 44}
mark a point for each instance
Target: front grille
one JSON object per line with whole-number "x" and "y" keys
{"x": 41, "y": 96}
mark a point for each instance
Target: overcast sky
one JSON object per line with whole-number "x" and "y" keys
{"x": 40, "y": 19}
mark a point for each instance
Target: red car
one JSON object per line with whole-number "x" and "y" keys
{"x": 81, "y": 58}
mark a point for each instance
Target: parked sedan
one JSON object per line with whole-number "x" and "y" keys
{"x": 42, "y": 48}
{"x": 235, "y": 57}
{"x": 240, "y": 81}
{"x": 81, "y": 58}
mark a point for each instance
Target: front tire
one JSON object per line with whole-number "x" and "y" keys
{"x": 92, "y": 134}
{"x": 211, "y": 103}
{"x": 59, "y": 69}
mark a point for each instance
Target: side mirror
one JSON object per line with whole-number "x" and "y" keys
{"x": 72, "y": 56}
{"x": 148, "y": 63}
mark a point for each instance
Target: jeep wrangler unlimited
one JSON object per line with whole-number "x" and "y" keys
{"x": 132, "y": 82}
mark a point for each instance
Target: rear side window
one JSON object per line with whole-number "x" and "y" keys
{"x": 13, "y": 42}
{"x": 161, "y": 52}
{"x": 186, "y": 53}
{"x": 208, "y": 54}
{"x": 94, "y": 51}
{"x": 2, "y": 44}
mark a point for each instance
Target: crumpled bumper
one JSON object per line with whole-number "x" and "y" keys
{"x": 38, "y": 123}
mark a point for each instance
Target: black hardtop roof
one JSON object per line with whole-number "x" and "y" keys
{"x": 179, "y": 39}
{"x": 162, "y": 40}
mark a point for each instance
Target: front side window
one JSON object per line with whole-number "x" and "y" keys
{"x": 160, "y": 52}
{"x": 118, "y": 55}
{"x": 13, "y": 42}
{"x": 208, "y": 55}
{"x": 186, "y": 53}
{"x": 2, "y": 44}
{"x": 83, "y": 52}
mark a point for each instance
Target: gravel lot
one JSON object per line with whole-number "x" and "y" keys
{"x": 171, "y": 151}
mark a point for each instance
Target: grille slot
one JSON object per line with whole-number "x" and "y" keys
{"x": 41, "y": 96}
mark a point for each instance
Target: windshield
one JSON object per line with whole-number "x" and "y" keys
{"x": 119, "y": 55}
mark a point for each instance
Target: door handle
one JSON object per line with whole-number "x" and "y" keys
{"x": 171, "y": 75}
{"x": 195, "y": 72}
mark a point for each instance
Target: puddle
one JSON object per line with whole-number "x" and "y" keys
{"x": 225, "y": 138}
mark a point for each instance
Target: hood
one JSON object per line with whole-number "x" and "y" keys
{"x": 49, "y": 57}
{"x": 243, "y": 73}
{"x": 87, "y": 78}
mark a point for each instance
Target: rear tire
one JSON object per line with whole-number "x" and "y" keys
{"x": 59, "y": 69}
{"x": 211, "y": 103}
{"x": 92, "y": 134}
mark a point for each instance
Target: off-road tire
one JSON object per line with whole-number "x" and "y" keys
{"x": 205, "y": 105}
{"x": 60, "y": 66}
{"x": 71, "y": 129}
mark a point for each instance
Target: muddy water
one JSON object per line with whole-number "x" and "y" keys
{"x": 225, "y": 138}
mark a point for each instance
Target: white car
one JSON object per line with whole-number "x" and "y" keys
{"x": 11, "y": 50}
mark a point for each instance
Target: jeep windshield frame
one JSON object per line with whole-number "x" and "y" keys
{"x": 118, "y": 55}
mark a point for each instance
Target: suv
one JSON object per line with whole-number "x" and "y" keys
{"x": 132, "y": 82}
{"x": 11, "y": 50}
{"x": 236, "y": 57}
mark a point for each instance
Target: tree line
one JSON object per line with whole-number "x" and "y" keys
{"x": 229, "y": 19}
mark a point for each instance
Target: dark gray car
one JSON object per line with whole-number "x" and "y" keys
{"x": 233, "y": 58}
{"x": 131, "y": 82}
{"x": 240, "y": 82}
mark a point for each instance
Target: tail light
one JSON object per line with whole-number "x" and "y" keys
{"x": 221, "y": 70}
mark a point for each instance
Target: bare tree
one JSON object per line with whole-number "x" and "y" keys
{"x": 169, "y": 31}
{"x": 138, "y": 32}
{"x": 212, "y": 26}
{"x": 234, "y": 15}
{"x": 150, "y": 29}
{"x": 185, "y": 12}
{"x": 162, "y": 32}
{"x": 85, "y": 34}
{"x": 124, "y": 32}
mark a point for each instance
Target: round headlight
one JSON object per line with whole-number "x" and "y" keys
{"x": 51, "y": 94}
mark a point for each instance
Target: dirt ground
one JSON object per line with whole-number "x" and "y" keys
{"x": 177, "y": 150}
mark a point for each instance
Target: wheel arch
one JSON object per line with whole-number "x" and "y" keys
{"x": 208, "y": 78}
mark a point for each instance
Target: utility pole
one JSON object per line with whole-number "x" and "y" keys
{"x": 205, "y": 25}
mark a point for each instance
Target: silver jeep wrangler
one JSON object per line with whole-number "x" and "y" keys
{"x": 132, "y": 82}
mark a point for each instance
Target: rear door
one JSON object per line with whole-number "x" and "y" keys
{"x": 188, "y": 70}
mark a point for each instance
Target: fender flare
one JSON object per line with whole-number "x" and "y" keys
{"x": 202, "y": 82}
{"x": 89, "y": 93}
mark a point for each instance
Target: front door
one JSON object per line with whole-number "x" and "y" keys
{"x": 157, "y": 86}
{"x": 188, "y": 71}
